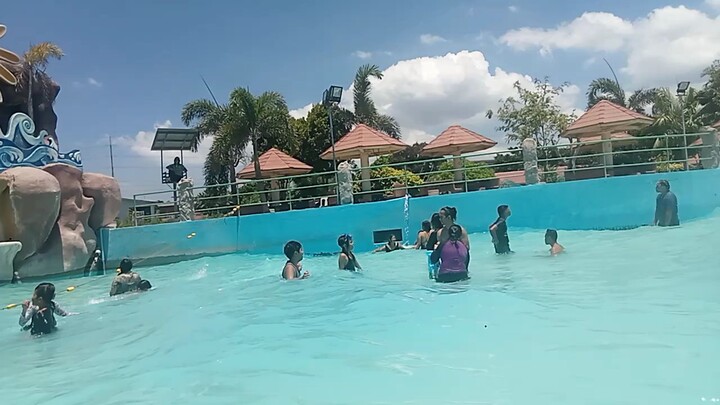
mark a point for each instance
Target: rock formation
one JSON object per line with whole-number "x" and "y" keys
{"x": 55, "y": 212}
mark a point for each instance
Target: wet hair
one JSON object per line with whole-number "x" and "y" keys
{"x": 450, "y": 212}
{"x": 46, "y": 291}
{"x": 664, "y": 183}
{"x": 344, "y": 243}
{"x": 426, "y": 226}
{"x": 125, "y": 266}
{"x": 501, "y": 210}
{"x": 455, "y": 232}
{"x": 552, "y": 234}
{"x": 144, "y": 285}
{"x": 435, "y": 221}
{"x": 291, "y": 248}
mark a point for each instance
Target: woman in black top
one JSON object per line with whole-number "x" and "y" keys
{"x": 499, "y": 231}
{"x": 391, "y": 246}
{"x": 436, "y": 226}
{"x": 347, "y": 260}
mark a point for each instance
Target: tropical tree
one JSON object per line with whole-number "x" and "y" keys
{"x": 365, "y": 110}
{"x": 313, "y": 134}
{"x": 36, "y": 59}
{"x": 608, "y": 89}
{"x": 709, "y": 95}
{"x": 534, "y": 114}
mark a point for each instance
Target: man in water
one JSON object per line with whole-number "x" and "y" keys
{"x": 551, "y": 237}
{"x": 666, "y": 205}
{"x": 499, "y": 231}
{"x": 126, "y": 281}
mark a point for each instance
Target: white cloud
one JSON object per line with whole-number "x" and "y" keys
{"x": 430, "y": 39}
{"x": 666, "y": 45}
{"x": 94, "y": 82}
{"x": 713, "y": 3}
{"x": 428, "y": 94}
{"x": 301, "y": 112}
{"x": 513, "y": 9}
{"x": 362, "y": 54}
{"x": 140, "y": 144}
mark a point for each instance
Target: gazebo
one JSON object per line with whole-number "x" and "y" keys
{"x": 604, "y": 119}
{"x": 274, "y": 163}
{"x": 455, "y": 141}
{"x": 363, "y": 142}
{"x": 593, "y": 144}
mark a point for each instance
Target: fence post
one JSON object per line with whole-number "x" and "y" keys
{"x": 530, "y": 161}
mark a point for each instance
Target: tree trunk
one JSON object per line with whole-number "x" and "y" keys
{"x": 258, "y": 172}
{"x": 31, "y": 76}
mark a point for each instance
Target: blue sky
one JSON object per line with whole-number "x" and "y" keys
{"x": 131, "y": 65}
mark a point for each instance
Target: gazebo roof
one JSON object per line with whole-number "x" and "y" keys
{"x": 606, "y": 117}
{"x": 275, "y": 163}
{"x": 363, "y": 140}
{"x": 456, "y": 140}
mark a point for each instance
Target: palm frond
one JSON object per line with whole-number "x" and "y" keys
{"x": 641, "y": 99}
{"x": 605, "y": 89}
{"x": 39, "y": 55}
{"x": 388, "y": 125}
{"x": 206, "y": 116}
{"x": 364, "y": 106}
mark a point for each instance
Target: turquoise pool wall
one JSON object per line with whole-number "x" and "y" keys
{"x": 616, "y": 202}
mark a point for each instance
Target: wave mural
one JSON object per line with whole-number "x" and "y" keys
{"x": 20, "y": 146}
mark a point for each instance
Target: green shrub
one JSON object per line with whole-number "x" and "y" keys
{"x": 473, "y": 171}
{"x": 389, "y": 176}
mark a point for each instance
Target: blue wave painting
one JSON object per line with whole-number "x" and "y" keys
{"x": 20, "y": 146}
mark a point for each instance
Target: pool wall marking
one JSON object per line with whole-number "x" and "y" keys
{"x": 612, "y": 203}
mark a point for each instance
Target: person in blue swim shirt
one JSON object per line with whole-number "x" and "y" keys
{"x": 453, "y": 256}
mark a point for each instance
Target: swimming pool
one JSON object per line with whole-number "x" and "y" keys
{"x": 624, "y": 317}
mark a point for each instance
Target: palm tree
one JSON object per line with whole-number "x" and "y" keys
{"x": 608, "y": 89}
{"x": 365, "y": 110}
{"x": 37, "y": 58}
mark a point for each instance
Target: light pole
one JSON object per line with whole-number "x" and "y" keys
{"x": 331, "y": 97}
{"x": 682, "y": 88}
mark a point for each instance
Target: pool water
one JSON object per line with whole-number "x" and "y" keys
{"x": 625, "y": 317}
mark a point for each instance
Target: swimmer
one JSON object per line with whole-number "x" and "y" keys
{"x": 551, "y": 237}
{"x": 347, "y": 260}
{"x": 41, "y": 311}
{"x": 126, "y": 281}
{"x": 144, "y": 285}
{"x": 666, "y": 205}
{"x": 498, "y": 230}
{"x": 448, "y": 216}
{"x": 436, "y": 225}
{"x": 293, "y": 268}
{"x": 391, "y": 245}
{"x": 423, "y": 235}
{"x": 453, "y": 256}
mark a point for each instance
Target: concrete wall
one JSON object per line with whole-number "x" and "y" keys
{"x": 616, "y": 202}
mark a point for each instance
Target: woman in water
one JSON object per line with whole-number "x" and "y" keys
{"x": 347, "y": 260}
{"x": 423, "y": 235}
{"x": 391, "y": 245}
{"x": 436, "y": 225}
{"x": 453, "y": 256}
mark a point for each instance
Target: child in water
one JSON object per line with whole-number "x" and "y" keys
{"x": 293, "y": 268}
{"x": 551, "y": 237}
{"x": 499, "y": 231}
{"x": 41, "y": 311}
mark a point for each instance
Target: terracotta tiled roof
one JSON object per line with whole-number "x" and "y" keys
{"x": 606, "y": 117}
{"x": 456, "y": 140}
{"x": 275, "y": 163}
{"x": 363, "y": 139}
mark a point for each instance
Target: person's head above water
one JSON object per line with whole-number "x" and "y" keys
{"x": 448, "y": 215}
{"x": 293, "y": 251}
{"x": 144, "y": 285}
{"x": 503, "y": 211}
{"x": 435, "y": 221}
{"x": 44, "y": 293}
{"x": 426, "y": 226}
{"x": 126, "y": 266}
{"x": 455, "y": 232}
{"x": 662, "y": 186}
{"x": 551, "y": 237}
{"x": 392, "y": 239}
{"x": 345, "y": 241}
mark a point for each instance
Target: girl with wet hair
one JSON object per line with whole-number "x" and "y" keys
{"x": 347, "y": 260}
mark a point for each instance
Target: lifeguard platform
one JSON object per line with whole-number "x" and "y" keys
{"x": 176, "y": 140}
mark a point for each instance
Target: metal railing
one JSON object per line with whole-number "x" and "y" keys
{"x": 477, "y": 171}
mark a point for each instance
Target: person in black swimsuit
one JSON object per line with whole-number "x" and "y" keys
{"x": 391, "y": 246}
{"x": 347, "y": 260}
{"x": 293, "y": 268}
{"x": 423, "y": 235}
{"x": 436, "y": 225}
{"x": 499, "y": 231}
